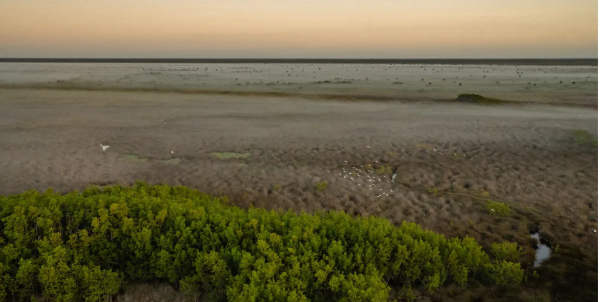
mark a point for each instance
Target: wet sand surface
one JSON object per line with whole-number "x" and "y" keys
{"x": 271, "y": 152}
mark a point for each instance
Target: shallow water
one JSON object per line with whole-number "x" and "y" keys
{"x": 542, "y": 253}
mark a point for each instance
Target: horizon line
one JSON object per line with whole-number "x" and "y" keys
{"x": 494, "y": 61}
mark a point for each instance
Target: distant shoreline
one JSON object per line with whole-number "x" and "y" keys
{"x": 541, "y": 62}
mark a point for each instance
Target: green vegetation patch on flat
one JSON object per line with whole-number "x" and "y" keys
{"x": 584, "y": 138}
{"x": 85, "y": 245}
{"x": 497, "y": 208}
{"x": 384, "y": 170}
{"x": 229, "y": 155}
{"x": 172, "y": 161}
{"x": 136, "y": 159}
{"x": 133, "y": 158}
{"x": 479, "y": 99}
{"x": 321, "y": 186}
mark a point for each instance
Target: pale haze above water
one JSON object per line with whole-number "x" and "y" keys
{"x": 294, "y": 29}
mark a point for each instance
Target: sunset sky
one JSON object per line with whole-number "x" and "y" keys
{"x": 299, "y": 29}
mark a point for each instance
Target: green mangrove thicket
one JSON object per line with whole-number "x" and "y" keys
{"x": 86, "y": 245}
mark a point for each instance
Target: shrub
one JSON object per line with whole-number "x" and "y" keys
{"x": 508, "y": 251}
{"x": 504, "y": 272}
{"x": 432, "y": 190}
{"x": 498, "y": 208}
{"x": 384, "y": 170}
{"x": 321, "y": 186}
{"x": 82, "y": 246}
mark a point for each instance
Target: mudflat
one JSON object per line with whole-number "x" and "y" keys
{"x": 435, "y": 163}
{"x": 562, "y": 85}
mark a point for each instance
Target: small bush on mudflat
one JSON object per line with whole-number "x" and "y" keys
{"x": 82, "y": 246}
{"x": 321, "y": 186}
{"x": 384, "y": 170}
{"x": 584, "y": 138}
{"x": 498, "y": 208}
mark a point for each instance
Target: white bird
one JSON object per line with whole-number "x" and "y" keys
{"x": 368, "y": 147}
{"x": 393, "y": 176}
{"x": 104, "y": 147}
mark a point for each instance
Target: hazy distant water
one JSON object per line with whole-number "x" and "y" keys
{"x": 414, "y": 82}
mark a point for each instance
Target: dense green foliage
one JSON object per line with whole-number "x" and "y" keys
{"x": 83, "y": 246}
{"x": 508, "y": 251}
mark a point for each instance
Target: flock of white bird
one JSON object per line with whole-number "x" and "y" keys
{"x": 368, "y": 179}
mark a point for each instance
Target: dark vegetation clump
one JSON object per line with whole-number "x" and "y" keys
{"x": 332, "y": 82}
{"x": 85, "y": 246}
{"x": 478, "y": 99}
